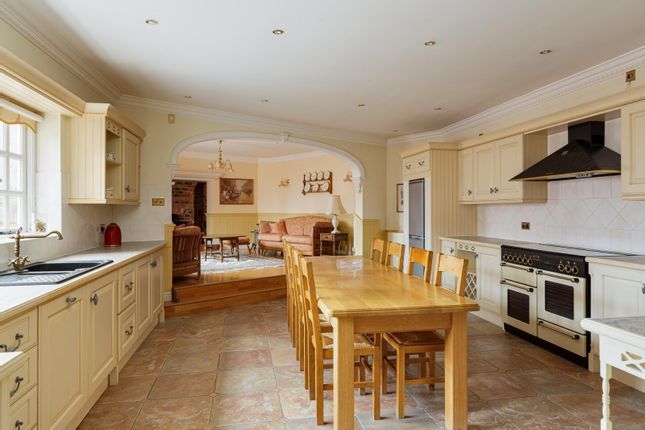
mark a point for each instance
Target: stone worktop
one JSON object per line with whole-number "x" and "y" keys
{"x": 483, "y": 240}
{"x": 636, "y": 262}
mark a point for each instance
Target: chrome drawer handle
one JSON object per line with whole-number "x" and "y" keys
{"x": 491, "y": 191}
{"x": 15, "y": 347}
{"x": 18, "y": 424}
{"x": 550, "y": 327}
{"x": 517, "y": 285}
{"x": 421, "y": 163}
{"x": 528, "y": 269}
{"x": 95, "y": 299}
{"x": 565, "y": 278}
{"x": 153, "y": 264}
{"x": 19, "y": 380}
{"x": 129, "y": 285}
{"x": 127, "y": 188}
{"x": 643, "y": 288}
{"x": 470, "y": 192}
{"x": 71, "y": 299}
{"x": 496, "y": 189}
{"x": 407, "y": 166}
{"x": 130, "y": 331}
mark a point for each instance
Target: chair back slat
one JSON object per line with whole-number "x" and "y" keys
{"x": 311, "y": 300}
{"x": 423, "y": 258}
{"x": 397, "y": 250}
{"x": 458, "y": 267}
{"x": 378, "y": 249}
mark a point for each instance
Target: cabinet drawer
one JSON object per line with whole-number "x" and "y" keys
{"x": 25, "y": 377}
{"x": 23, "y": 414}
{"x": 326, "y": 236}
{"x": 127, "y": 287}
{"x": 416, "y": 163}
{"x": 20, "y": 333}
{"x": 127, "y": 330}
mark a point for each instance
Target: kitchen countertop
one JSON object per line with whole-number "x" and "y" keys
{"x": 636, "y": 262}
{"x": 19, "y": 298}
{"x": 483, "y": 240}
{"x": 628, "y": 329}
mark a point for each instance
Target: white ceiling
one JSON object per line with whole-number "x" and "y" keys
{"x": 336, "y": 54}
{"x": 249, "y": 150}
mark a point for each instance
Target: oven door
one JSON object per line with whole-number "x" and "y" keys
{"x": 562, "y": 300}
{"x": 519, "y": 306}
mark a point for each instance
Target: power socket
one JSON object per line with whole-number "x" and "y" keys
{"x": 101, "y": 228}
{"x": 630, "y": 76}
{"x": 526, "y": 225}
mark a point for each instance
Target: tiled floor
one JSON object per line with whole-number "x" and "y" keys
{"x": 235, "y": 369}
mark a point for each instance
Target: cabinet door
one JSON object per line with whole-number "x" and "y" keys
{"x": 508, "y": 163}
{"x": 144, "y": 310}
{"x": 484, "y": 172}
{"x": 101, "y": 338}
{"x": 623, "y": 292}
{"x": 62, "y": 376}
{"x": 488, "y": 272}
{"x": 465, "y": 172}
{"x": 633, "y": 150}
{"x": 131, "y": 146}
{"x": 156, "y": 282}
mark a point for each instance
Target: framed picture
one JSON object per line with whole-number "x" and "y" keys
{"x": 234, "y": 191}
{"x": 399, "y": 198}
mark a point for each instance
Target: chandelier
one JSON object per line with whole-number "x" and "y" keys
{"x": 220, "y": 165}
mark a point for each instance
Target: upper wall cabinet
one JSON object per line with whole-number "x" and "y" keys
{"x": 485, "y": 170}
{"x": 104, "y": 157}
{"x": 633, "y": 150}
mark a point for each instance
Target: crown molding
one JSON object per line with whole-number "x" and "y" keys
{"x": 585, "y": 78}
{"x": 73, "y": 63}
{"x": 256, "y": 122}
{"x": 254, "y": 160}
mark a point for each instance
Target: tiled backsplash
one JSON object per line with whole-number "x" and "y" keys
{"x": 586, "y": 213}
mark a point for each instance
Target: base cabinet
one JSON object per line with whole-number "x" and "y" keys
{"x": 156, "y": 280}
{"x": 101, "y": 327}
{"x": 489, "y": 292}
{"x": 142, "y": 286}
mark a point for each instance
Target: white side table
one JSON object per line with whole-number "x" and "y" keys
{"x": 622, "y": 346}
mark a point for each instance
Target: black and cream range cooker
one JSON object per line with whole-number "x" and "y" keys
{"x": 545, "y": 295}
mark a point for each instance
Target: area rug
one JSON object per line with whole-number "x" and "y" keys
{"x": 214, "y": 265}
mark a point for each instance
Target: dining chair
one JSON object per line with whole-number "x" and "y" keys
{"x": 378, "y": 246}
{"x": 286, "y": 251}
{"x": 397, "y": 250}
{"x": 424, "y": 343}
{"x": 423, "y": 258}
{"x": 323, "y": 349}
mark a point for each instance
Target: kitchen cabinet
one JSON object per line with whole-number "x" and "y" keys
{"x": 63, "y": 341}
{"x": 142, "y": 286}
{"x": 156, "y": 280}
{"x": 104, "y": 157}
{"x": 10, "y": 364}
{"x": 466, "y": 177}
{"x": 489, "y": 292}
{"x": 486, "y": 170}
{"x": 101, "y": 327}
{"x": 633, "y": 151}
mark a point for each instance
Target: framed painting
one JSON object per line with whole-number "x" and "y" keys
{"x": 234, "y": 191}
{"x": 399, "y": 198}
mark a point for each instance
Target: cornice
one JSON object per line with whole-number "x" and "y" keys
{"x": 256, "y": 122}
{"x": 585, "y": 78}
{"x": 77, "y": 66}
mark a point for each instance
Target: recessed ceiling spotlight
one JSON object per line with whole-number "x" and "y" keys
{"x": 545, "y": 52}
{"x": 361, "y": 105}
{"x": 278, "y": 31}
{"x": 438, "y": 108}
{"x": 430, "y": 43}
{"x": 152, "y": 22}
{"x": 188, "y": 97}
{"x": 264, "y": 100}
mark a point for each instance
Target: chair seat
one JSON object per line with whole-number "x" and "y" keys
{"x": 416, "y": 338}
{"x": 361, "y": 345}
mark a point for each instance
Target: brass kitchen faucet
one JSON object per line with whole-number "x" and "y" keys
{"x": 19, "y": 262}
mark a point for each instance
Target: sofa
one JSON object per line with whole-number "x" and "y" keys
{"x": 303, "y": 232}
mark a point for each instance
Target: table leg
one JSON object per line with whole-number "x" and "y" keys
{"x": 343, "y": 373}
{"x": 605, "y": 374}
{"x": 456, "y": 373}
{"x": 221, "y": 250}
{"x": 237, "y": 248}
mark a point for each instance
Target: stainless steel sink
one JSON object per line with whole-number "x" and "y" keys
{"x": 47, "y": 273}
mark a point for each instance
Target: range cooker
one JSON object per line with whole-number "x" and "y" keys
{"x": 545, "y": 295}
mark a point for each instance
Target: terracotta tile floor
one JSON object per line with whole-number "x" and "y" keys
{"x": 235, "y": 369}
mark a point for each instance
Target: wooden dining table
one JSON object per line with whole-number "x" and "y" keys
{"x": 378, "y": 299}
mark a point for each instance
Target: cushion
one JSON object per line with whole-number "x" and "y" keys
{"x": 412, "y": 338}
{"x": 306, "y": 240}
{"x": 310, "y": 221}
{"x": 271, "y": 237}
{"x": 278, "y": 227}
{"x": 265, "y": 226}
{"x": 295, "y": 226}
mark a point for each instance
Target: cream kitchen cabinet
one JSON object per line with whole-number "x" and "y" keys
{"x": 101, "y": 329}
{"x": 142, "y": 285}
{"x": 485, "y": 170}
{"x": 489, "y": 292}
{"x": 633, "y": 151}
{"x": 10, "y": 365}
{"x": 156, "y": 280}
{"x": 104, "y": 157}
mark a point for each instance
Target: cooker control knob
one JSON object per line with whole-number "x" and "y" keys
{"x": 561, "y": 267}
{"x": 515, "y": 259}
{"x": 529, "y": 261}
{"x": 575, "y": 270}
{"x": 524, "y": 259}
{"x": 567, "y": 268}
{"x": 505, "y": 257}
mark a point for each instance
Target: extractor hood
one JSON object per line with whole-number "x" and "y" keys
{"x": 584, "y": 156}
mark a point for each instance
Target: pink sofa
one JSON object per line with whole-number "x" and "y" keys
{"x": 303, "y": 232}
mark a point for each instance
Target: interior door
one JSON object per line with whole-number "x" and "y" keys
{"x": 102, "y": 328}
{"x": 131, "y": 163}
{"x": 484, "y": 172}
{"x": 465, "y": 172}
{"x": 509, "y": 163}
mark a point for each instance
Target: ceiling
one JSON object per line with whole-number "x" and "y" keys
{"x": 337, "y": 54}
{"x": 249, "y": 150}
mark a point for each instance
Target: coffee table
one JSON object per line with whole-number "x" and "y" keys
{"x": 233, "y": 239}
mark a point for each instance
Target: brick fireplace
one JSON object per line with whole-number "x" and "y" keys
{"x": 189, "y": 203}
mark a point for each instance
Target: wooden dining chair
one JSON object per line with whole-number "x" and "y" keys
{"x": 395, "y": 249}
{"x": 286, "y": 251}
{"x": 423, "y": 343}
{"x": 323, "y": 349}
{"x": 378, "y": 247}
{"x": 423, "y": 258}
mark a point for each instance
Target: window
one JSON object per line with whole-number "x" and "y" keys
{"x": 16, "y": 176}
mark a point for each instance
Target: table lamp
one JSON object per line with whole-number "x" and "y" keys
{"x": 335, "y": 208}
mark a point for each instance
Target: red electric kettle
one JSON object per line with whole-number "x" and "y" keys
{"x": 112, "y": 235}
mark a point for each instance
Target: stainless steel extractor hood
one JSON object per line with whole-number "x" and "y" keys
{"x": 584, "y": 156}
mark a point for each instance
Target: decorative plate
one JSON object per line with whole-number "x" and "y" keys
{"x": 314, "y": 176}
{"x": 324, "y": 186}
{"x": 321, "y": 175}
{"x": 307, "y": 188}
{"x": 315, "y": 187}
{"x": 307, "y": 176}
{"x": 327, "y": 175}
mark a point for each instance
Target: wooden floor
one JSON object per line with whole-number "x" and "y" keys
{"x": 221, "y": 290}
